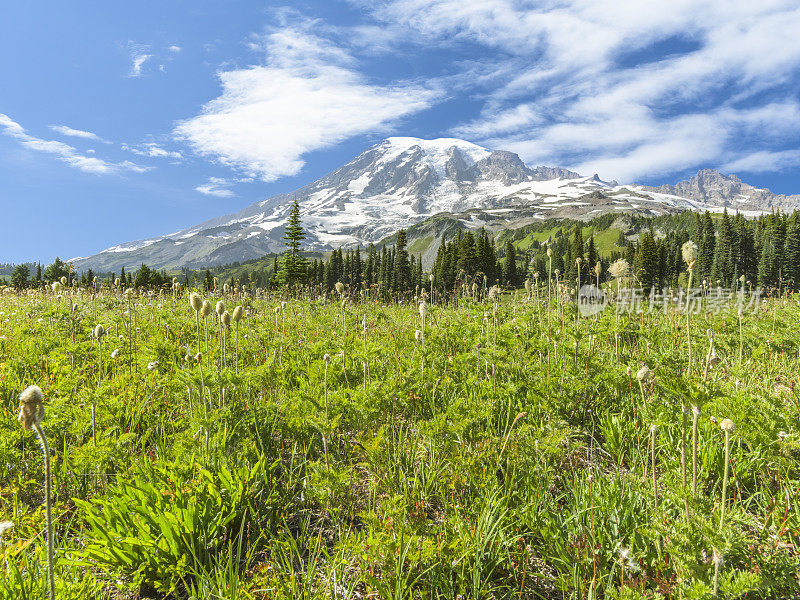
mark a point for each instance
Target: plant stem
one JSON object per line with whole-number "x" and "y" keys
{"x": 725, "y": 477}
{"x": 48, "y": 510}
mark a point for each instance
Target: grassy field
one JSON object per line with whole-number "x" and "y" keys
{"x": 324, "y": 449}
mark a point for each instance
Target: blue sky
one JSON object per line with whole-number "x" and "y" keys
{"x": 121, "y": 121}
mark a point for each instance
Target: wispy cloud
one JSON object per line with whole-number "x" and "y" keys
{"x": 152, "y": 150}
{"x": 139, "y": 55}
{"x": 307, "y": 94}
{"x": 174, "y": 48}
{"x": 216, "y": 186}
{"x": 618, "y": 87}
{"x": 64, "y": 152}
{"x": 78, "y": 133}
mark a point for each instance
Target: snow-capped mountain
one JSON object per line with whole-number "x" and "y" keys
{"x": 712, "y": 187}
{"x": 403, "y": 181}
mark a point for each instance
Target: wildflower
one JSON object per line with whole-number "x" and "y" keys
{"x": 99, "y": 332}
{"x": 423, "y": 309}
{"x": 327, "y": 358}
{"x": 115, "y": 353}
{"x": 206, "y": 309}
{"x": 31, "y": 409}
{"x": 237, "y": 314}
{"x": 619, "y": 268}
{"x": 726, "y": 425}
{"x": 689, "y": 252}
{"x": 220, "y": 308}
{"x": 152, "y": 365}
{"x": 195, "y": 301}
{"x": 645, "y": 374}
{"x": 225, "y": 317}
{"x": 339, "y": 287}
{"x": 782, "y": 435}
{"x": 5, "y": 526}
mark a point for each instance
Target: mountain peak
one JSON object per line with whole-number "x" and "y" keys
{"x": 403, "y": 181}
{"x": 435, "y": 149}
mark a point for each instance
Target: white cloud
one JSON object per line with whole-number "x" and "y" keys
{"x": 764, "y": 160}
{"x": 79, "y": 133}
{"x": 152, "y": 150}
{"x": 138, "y": 62}
{"x": 216, "y": 186}
{"x": 307, "y": 95}
{"x": 579, "y": 82}
{"x": 139, "y": 55}
{"x": 174, "y": 48}
{"x": 64, "y": 152}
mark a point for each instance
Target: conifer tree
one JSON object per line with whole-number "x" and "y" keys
{"x": 294, "y": 265}
{"x": 791, "y": 253}
{"x": 647, "y": 262}
{"x": 707, "y": 245}
{"x": 510, "y": 265}
{"x": 591, "y": 253}
{"x": 467, "y": 255}
{"x": 402, "y": 269}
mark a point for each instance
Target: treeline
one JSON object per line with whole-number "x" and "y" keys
{"x": 144, "y": 278}
{"x": 765, "y": 251}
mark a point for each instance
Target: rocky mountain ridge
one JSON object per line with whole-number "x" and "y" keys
{"x": 400, "y": 182}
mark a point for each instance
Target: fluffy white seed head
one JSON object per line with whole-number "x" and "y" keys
{"x": 339, "y": 287}
{"x": 31, "y": 409}
{"x": 237, "y": 314}
{"x": 195, "y": 301}
{"x": 99, "y": 331}
{"x": 327, "y": 358}
{"x": 598, "y": 268}
{"x": 619, "y": 268}
{"x": 115, "y": 353}
{"x": 56, "y": 286}
{"x": 220, "y": 308}
{"x": 116, "y": 282}
{"x": 644, "y": 374}
{"x": 225, "y": 317}
{"x": 198, "y": 357}
{"x": 550, "y": 252}
{"x": 689, "y": 252}
{"x": 726, "y": 425}
{"x": 206, "y": 309}
{"x": 423, "y": 309}
{"x": 417, "y": 334}
{"x": 63, "y": 280}
{"x": 5, "y": 526}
